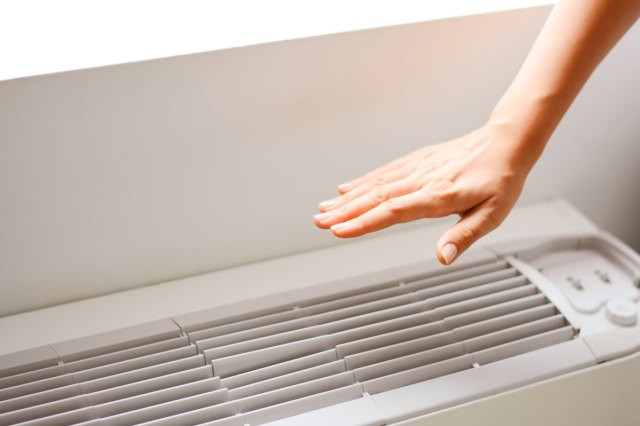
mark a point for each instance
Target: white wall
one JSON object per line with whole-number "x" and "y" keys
{"x": 44, "y": 33}
{"x": 128, "y": 175}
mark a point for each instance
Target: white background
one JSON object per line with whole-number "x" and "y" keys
{"x": 44, "y": 36}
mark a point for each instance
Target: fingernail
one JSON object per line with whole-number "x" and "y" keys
{"x": 345, "y": 186}
{"x": 329, "y": 204}
{"x": 339, "y": 226}
{"x": 323, "y": 217}
{"x": 449, "y": 252}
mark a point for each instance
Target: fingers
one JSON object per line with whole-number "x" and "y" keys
{"x": 367, "y": 201}
{"x": 366, "y": 187}
{"x": 349, "y": 186}
{"x": 473, "y": 225}
{"x": 405, "y": 208}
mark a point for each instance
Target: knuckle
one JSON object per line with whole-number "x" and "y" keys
{"x": 380, "y": 180}
{"x": 493, "y": 220}
{"x": 445, "y": 199}
{"x": 468, "y": 235}
{"x": 394, "y": 206}
{"x": 439, "y": 205}
{"x": 379, "y": 194}
{"x": 442, "y": 191}
{"x": 341, "y": 213}
{"x": 441, "y": 186}
{"x": 411, "y": 184}
{"x": 400, "y": 211}
{"x": 490, "y": 220}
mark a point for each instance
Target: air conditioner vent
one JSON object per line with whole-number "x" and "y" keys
{"x": 290, "y": 354}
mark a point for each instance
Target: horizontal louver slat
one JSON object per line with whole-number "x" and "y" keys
{"x": 355, "y": 300}
{"x": 117, "y": 340}
{"x": 199, "y": 416}
{"x": 400, "y": 349}
{"x": 32, "y": 376}
{"x": 418, "y": 374}
{"x": 290, "y": 379}
{"x": 262, "y": 400}
{"x": 412, "y": 360}
{"x": 449, "y": 287}
{"x": 400, "y": 302}
{"x": 278, "y": 369}
{"x": 150, "y": 385}
{"x": 263, "y": 357}
{"x": 304, "y": 404}
{"x": 69, "y": 378}
{"x": 246, "y": 324}
{"x": 351, "y": 325}
{"x": 38, "y": 398}
{"x": 126, "y": 354}
{"x": 513, "y": 333}
{"x": 456, "y": 275}
{"x": 415, "y": 326}
{"x": 143, "y": 373}
{"x": 526, "y": 344}
{"x": 482, "y": 301}
{"x": 43, "y": 410}
{"x": 157, "y": 397}
{"x": 473, "y": 292}
{"x": 235, "y": 312}
{"x": 37, "y": 386}
{"x": 264, "y": 342}
{"x": 494, "y": 324}
{"x": 239, "y": 420}
{"x": 173, "y": 407}
{"x": 253, "y": 333}
{"x": 27, "y": 361}
{"x": 134, "y": 364}
{"x": 491, "y": 311}
{"x": 287, "y": 357}
{"x": 68, "y": 418}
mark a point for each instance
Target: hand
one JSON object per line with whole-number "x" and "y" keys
{"x": 477, "y": 177}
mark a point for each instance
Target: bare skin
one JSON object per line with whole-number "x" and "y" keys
{"x": 481, "y": 175}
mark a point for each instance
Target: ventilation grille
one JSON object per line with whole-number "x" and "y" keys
{"x": 277, "y": 361}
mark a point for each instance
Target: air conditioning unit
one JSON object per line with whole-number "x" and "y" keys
{"x": 393, "y": 345}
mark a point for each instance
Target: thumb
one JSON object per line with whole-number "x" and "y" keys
{"x": 471, "y": 226}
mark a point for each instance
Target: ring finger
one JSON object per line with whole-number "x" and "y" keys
{"x": 365, "y": 202}
{"x": 364, "y": 188}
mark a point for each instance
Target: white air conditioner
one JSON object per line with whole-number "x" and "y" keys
{"x": 534, "y": 324}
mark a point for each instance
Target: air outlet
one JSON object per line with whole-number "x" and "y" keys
{"x": 355, "y": 342}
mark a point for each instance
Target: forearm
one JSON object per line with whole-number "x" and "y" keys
{"x": 479, "y": 176}
{"x": 574, "y": 40}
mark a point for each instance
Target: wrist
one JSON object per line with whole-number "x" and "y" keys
{"x": 523, "y": 126}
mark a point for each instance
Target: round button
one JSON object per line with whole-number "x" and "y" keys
{"x": 622, "y": 311}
